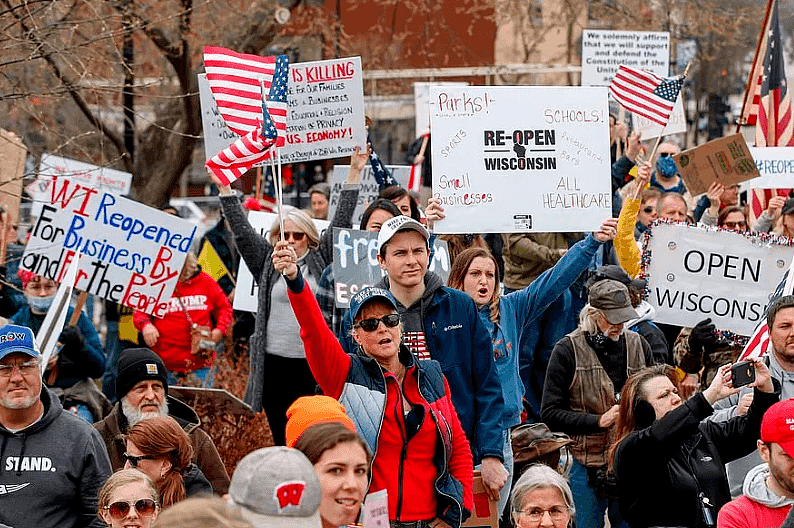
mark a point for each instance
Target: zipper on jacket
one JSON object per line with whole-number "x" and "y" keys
{"x": 403, "y": 452}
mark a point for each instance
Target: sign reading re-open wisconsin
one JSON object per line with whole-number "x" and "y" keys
{"x": 512, "y": 159}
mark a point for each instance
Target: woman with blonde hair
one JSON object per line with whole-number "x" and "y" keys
{"x": 160, "y": 448}
{"x": 128, "y": 499}
{"x": 279, "y": 373}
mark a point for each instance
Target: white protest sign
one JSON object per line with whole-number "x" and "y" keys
{"x": 510, "y": 159}
{"x": 375, "y": 512}
{"x": 217, "y": 135}
{"x": 356, "y": 263}
{"x": 650, "y": 129}
{"x": 247, "y": 291}
{"x": 604, "y": 50}
{"x": 84, "y": 174}
{"x": 776, "y": 165}
{"x": 130, "y": 254}
{"x": 422, "y": 104}
{"x": 325, "y": 117}
{"x": 697, "y": 272}
{"x": 368, "y": 190}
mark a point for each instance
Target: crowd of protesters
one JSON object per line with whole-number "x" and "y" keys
{"x": 420, "y": 388}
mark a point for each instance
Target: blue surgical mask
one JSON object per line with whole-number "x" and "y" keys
{"x": 666, "y": 167}
{"x": 40, "y": 304}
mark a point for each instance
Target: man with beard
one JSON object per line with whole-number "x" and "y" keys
{"x": 587, "y": 370}
{"x": 52, "y": 463}
{"x": 769, "y": 487}
{"x": 143, "y": 393}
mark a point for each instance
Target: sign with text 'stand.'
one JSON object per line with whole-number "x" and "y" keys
{"x": 726, "y": 160}
{"x": 247, "y": 290}
{"x": 130, "y": 254}
{"x": 603, "y": 50}
{"x": 510, "y": 159}
{"x": 368, "y": 189}
{"x": 776, "y": 167}
{"x": 356, "y": 263}
{"x": 698, "y": 272}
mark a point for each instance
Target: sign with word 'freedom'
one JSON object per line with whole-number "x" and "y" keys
{"x": 510, "y": 159}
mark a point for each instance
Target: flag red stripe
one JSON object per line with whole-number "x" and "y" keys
{"x": 643, "y": 94}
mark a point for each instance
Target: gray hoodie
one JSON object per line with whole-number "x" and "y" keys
{"x": 755, "y": 488}
{"x": 51, "y": 472}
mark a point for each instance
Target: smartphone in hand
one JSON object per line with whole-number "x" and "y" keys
{"x": 743, "y": 373}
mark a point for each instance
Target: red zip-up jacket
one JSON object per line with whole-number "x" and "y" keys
{"x": 406, "y": 470}
{"x": 207, "y": 305}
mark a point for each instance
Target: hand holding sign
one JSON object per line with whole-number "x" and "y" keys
{"x": 434, "y": 211}
{"x": 775, "y": 206}
{"x": 285, "y": 260}
{"x": 643, "y": 177}
{"x": 608, "y": 230}
{"x": 223, "y": 187}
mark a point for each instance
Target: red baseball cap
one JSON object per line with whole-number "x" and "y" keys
{"x": 777, "y": 426}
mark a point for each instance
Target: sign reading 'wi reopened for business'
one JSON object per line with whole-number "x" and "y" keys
{"x": 512, "y": 159}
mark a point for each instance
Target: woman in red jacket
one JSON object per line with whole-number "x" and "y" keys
{"x": 197, "y": 299}
{"x": 401, "y": 406}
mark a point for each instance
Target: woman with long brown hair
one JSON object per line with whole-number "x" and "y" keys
{"x": 160, "y": 448}
{"x": 475, "y": 272}
{"x": 669, "y": 461}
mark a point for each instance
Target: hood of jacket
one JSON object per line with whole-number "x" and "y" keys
{"x": 756, "y": 489}
{"x": 433, "y": 283}
{"x": 645, "y": 311}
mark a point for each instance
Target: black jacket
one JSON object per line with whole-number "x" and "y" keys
{"x": 662, "y": 469}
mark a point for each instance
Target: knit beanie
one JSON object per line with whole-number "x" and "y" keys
{"x": 309, "y": 410}
{"x": 139, "y": 364}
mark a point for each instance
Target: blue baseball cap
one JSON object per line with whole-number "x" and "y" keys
{"x": 17, "y": 339}
{"x": 362, "y": 297}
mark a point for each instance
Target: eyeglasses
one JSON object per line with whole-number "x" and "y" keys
{"x": 297, "y": 236}
{"x": 370, "y": 325}
{"x": 26, "y": 369}
{"x": 134, "y": 460}
{"x": 120, "y": 509}
{"x": 648, "y": 210}
{"x": 557, "y": 514}
{"x": 734, "y": 225}
{"x": 664, "y": 154}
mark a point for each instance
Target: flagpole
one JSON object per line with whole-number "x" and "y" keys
{"x": 749, "y": 91}
{"x": 659, "y": 138}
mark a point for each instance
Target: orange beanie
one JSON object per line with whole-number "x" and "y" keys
{"x": 309, "y": 410}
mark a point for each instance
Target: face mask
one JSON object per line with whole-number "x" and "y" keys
{"x": 666, "y": 167}
{"x": 40, "y": 304}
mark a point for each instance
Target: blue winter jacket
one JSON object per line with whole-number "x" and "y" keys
{"x": 458, "y": 340}
{"x": 520, "y": 307}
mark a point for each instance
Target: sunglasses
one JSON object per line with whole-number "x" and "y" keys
{"x": 664, "y": 154}
{"x": 120, "y": 509}
{"x": 734, "y": 225}
{"x": 134, "y": 460}
{"x": 370, "y": 325}
{"x": 297, "y": 236}
{"x": 648, "y": 210}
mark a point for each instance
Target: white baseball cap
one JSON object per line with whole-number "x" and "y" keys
{"x": 399, "y": 223}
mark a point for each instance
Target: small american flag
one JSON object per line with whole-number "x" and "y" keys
{"x": 759, "y": 341}
{"x": 645, "y": 93}
{"x": 255, "y": 145}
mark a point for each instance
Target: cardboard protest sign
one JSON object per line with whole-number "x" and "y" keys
{"x": 675, "y": 125}
{"x": 130, "y": 254}
{"x": 84, "y": 174}
{"x": 247, "y": 291}
{"x": 368, "y": 188}
{"x": 486, "y": 511}
{"x": 698, "y": 272}
{"x": 726, "y": 160}
{"x": 325, "y": 116}
{"x": 12, "y": 167}
{"x": 356, "y": 262}
{"x": 510, "y": 159}
{"x": 775, "y": 166}
{"x": 604, "y": 50}
{"x": 422, "y": 104}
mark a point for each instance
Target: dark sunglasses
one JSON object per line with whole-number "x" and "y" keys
{"x": 370, "y": 325}
{"x": 297, "y": 236}
{"x": 134, "y": 460}
{"x": 120, "y": 509}
{"x": 647, "y": 210}
{"x": 664, "y": 154}
{"x": 734, "y": 225}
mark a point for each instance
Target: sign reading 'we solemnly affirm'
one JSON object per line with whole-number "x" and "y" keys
{"x": 512, "y": 159}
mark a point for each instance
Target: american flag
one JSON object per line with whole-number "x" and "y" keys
{"x": 645, "y": 93}
{"x": 774, "y": 125}
{"x": 255, "y": 145}
{"x": 234, "y": 80}
{"x": 379, "y": 170}
{"x": 757, "y": 345}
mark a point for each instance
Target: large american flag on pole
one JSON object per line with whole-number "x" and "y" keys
{"x": 759, "y": 341}
{"x": 270, "y": 130}
{"x": 774, "y": 126}
{"x": 644, "y": 93}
